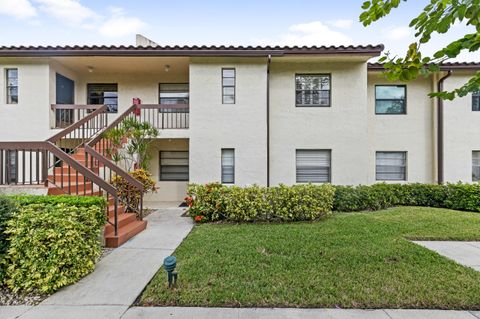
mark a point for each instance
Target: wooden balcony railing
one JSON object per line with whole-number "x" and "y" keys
{"x": 165, "y": 116}
{"x": 67, "y": 114}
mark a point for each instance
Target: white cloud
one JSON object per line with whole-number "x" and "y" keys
{"x": 20, "y": 9}
{"x": 341, "y": 23}
{"x": 119, "y": 25}
{"x": 398, "y": 33}
{"x": 313, "y": 33}
{"x": 70, "y": 12}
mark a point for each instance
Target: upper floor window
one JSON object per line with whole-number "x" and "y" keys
{"x": 106, "y": 94}
{"x": 476, "y": 101}
{"x": 313, "y": 166}
{"x": 476, "y": 166}
{"x": 228, "y": 165}
{"x": 228, "y": 86}
{"x": 312, "y": 90}
{"x": 391, "y": 166}
{"x": 174, "y": 93}
{"x": 12, "y": 86}
{"x": 390, "y": 99}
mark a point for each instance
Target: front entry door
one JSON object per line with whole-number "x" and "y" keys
{"x": 65, "y": 89}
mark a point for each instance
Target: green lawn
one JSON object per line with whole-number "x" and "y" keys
{"x": 354, "y": 260}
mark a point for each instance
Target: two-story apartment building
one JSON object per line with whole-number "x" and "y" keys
{"x": 249, "y": 115}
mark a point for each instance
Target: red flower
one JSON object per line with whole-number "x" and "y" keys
{"x": 198, "y": 218}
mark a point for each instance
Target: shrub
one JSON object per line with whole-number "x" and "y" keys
{"x": 69, "y": 200}
{"x": 52, "y": 245}
{"x": 7, "y": 207}
{"x": 215, "y": 202}
{"x": 380, "y": 196}
{"x": 129, "y": 194}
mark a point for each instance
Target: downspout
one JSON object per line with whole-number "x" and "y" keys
{"x": 440, "y": 130}
{"x": 268, "y": 119}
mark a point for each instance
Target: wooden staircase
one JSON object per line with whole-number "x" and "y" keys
{"x": 67, "y": 181}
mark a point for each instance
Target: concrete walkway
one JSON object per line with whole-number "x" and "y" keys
{"x": 119, "y": 278}
{"x": 466, "y": 253}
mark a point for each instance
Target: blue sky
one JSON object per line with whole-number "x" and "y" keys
{"x": 303, "y": 22}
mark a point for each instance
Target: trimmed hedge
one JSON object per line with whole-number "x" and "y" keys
{"x": 214, "y": 202}
{"x": 379, "y": 196}
{"x": 53, "y": 241}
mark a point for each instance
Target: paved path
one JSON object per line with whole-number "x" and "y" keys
{"x": 120, "y": 277}
{"x": 465, "y": 253}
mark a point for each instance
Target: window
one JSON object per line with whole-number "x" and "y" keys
{"x": 476, "y": 166}
{"x": 312, "y": 90}
{"x": 476, "y": 101}
{"x": 228, "y": 86}
{"x": 12, "y": 86}
{"x": 174, "y": 93}
{"x": 174, "y": 166}
{"x": 391, "y": 166}
{"x": 228, "y": 165}
{"x": 390, "y": 99}
{"x": 313, "y": 166}
{"x": 12, "y": 167}
{"x": 106, "y": 94}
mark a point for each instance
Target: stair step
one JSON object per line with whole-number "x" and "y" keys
{"x": 125, "y": 233}
{"x": 123, "y": 220}
{"x": 111, "y": 211}
{"x": 66, "y": 177}
{"x": 64, "y": 170}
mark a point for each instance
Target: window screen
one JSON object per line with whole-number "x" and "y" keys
{"x": 391, "y": 166}
{"x": 476, "y": 166}
{"x": 174, "y": 166}
{"x": 228, "y": 166}
{"x": 313, "y": 166}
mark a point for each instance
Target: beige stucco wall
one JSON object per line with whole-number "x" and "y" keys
{"x": 167, "y": 191}
{"x": 412, "y": 132}
{"x": 462, "y": 132}
{"x": 241, "y": 126}
{"x": 341, "y": 127}
{"x": 29, "y": 119}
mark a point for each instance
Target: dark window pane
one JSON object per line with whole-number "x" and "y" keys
{"x": 12, "y": 86}
{"x": 476, "y": 166}
{"x": 390, "y": 99}
{"x": 390, "y": 107}
{"x": 174, "y": 166}
{"x": 174, "y": 93}
{"x": 106, "y": 94}
{"x": 312, "y": 90}
{"x": 476, "y": 101}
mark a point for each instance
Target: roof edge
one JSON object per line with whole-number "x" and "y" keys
{"x": 248, "y": 51}
{"x": 447, "y": 66}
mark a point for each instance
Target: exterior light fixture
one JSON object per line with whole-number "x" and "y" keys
{"x": 167, "y": 67}
{"x": 169, "y": 264}
{"x": 90, "y": 69}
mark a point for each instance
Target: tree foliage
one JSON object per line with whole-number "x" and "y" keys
{"x": 437, "y": 17}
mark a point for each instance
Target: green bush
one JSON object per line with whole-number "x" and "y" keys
{"x": 7, "y": 207}
{"x": 213, "y": 202}
{"x": 69, "y": 200}
{"x": 379, "y": 196}
{"x": 52, "y": 244}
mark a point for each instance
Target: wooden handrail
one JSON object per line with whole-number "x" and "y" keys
{"x": 163, "y": 106}
{"x": 117, "y": 121}
{"x": 75, "y": 106}
{"x": 106, "y": 162}
{"x": 52, "y": 148}
{"x": 77, "y": 124}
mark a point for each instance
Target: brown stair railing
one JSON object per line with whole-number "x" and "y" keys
{"x": 82, "y": 131}
{"x": 36, "y": 165}
{"x": 67, "y": 114}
